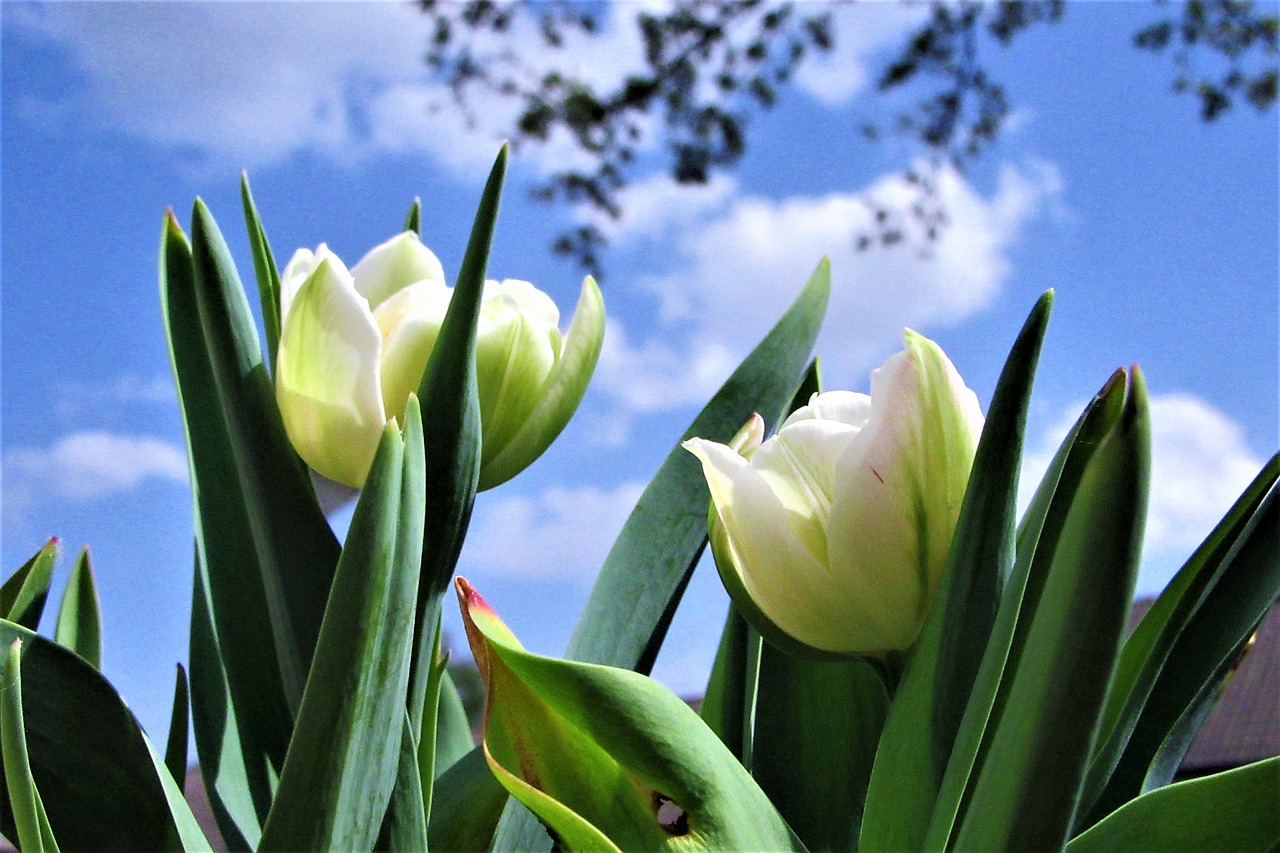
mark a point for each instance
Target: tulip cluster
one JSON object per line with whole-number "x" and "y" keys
{"x": 354, "y": 344}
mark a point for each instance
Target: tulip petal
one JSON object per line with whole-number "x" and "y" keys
{"x": 394, "y": 265}
{"x": 515, "y": 353}
{"x": 778, "y": 570}
{"x": 902, "y": 483}
{"x": 327, "y": 382}
{"x": 560, "y": 394}
{"x": 409, "y": 322}
{"x": 848, "y": 407}
{"x": 300, "y": 267}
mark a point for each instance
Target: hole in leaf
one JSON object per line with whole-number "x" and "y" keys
{"x": 671, "y": 817}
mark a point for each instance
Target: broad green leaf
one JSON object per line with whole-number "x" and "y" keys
{"x": 79, "y": 625}
{"x": 295, "y": 548}
{"x": 342, "y": 762}
{"x": 639, "y": 587}
{"x": 451, "y": 423}
{"x": 413, "y": 221}
{"x": 23, "y": 595}
{"x": 1028, "y": 787}
{"x": 1203, "y": 653}
{"x": 465, "y": 807}
{"x": 925, "y": 720}
{"x": 817, "y": 724}
{"x": 99, "y": 781}
{"x": 608, "y": 758}
{"x": 175, "y": 751}
{"x": 31, "y": 821}
{"x": 1234, "y": 810}
{"x": 241, "y": 715}
{"x": 264, "y": 269}
{"x": 1146, "y": 651}
{"x": 404, "y": 827}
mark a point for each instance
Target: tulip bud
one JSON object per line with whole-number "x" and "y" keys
{"x": 834, "y": 534}
{"x": 354, "y": 345}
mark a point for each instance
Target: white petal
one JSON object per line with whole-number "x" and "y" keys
{"x": 394, "y": 265}
{"x": 515, "y": 353}
{"x": 780, "y": 572}
{"x": 300, "y": 267}
{"x": 846, "y": 407}
{"x": 410, "y": 324}
{"x": 327, "y": 383}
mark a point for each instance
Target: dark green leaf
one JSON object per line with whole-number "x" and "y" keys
{"x": 101, "y": 785}
{"x": 1028, "y": 787}
{"x": 726, "y": 707}
{"x": 242, "y": 718}
{"x": 23, "y": 595}
{"x": 296, "y": 551}
{"x": 451, "y": 422}
{"x": 1203, "y": 652}
{"x": 413, "y": 222}
{"x": 342, "y": 762}
{"x": 817, "y": 724}
{"x": 1234, "y": 810}
{"x": 175, "y": 752}
{"x": 1145, "y": 652}
{"x": 79, "y": 621}
{"x": 264, "y": 269}
{"x": 453, "y": 729}
{"x": 465, "y": 807}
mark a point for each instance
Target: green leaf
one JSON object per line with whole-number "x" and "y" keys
{"x": 101, "y": 786}
{"x": 241, "y": 715}
{"x": 451, "y": 420}
{"x": 817, "y": 724}
{"x": 404, "y": 827}
{"x": 79, "y": 625}
{"x": 726, "y": 706}
{"x": 608, "y": 758}
{"x": 23, "y": 595}
{"x": 1029, "y": 784}
{"x": 342, "y": 762}
{"x": 636, "y": 593}
{"x": 465, "y": 807}
{"x": 925, "y": 720}
{"x": 413, "y": 222}
{"x": 453, "y": 729}
{"x": 1186, "y": 646}
{"x": 30, "y": 819}
{"x": 296, "y": 550}
{"x": 264, "y": 269}
{"x": 1233, "y": 810}
{"x": 175, "y": 751}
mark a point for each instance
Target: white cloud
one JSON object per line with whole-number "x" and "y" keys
{"x": 738, "y": 261}
{"x": 862, "y": 32}
{"x": 90, "y": 465}
{"x": 558, "y": 533}
{"x": 1200, "y": 463}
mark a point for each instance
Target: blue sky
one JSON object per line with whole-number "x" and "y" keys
{"x": 1158, "y": 232}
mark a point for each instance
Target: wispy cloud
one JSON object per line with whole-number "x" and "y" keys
{"x": 558, "y": 533}
{"x": 89, "y": 465}
{"x": 753, "y": 253}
